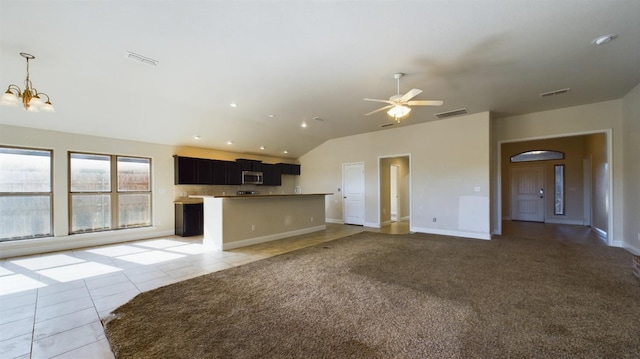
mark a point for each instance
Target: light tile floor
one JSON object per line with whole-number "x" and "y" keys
{"x": 51, "y": 304}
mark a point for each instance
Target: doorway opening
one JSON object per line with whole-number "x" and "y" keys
{"x": 394, "y": 199}
{"x": 570, "y": 190}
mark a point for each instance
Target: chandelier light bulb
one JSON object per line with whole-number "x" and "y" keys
{"x": 30, "y": 97}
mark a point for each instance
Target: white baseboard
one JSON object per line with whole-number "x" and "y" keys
{"x": 336, "y": 221}
{"x": 385, "y": 223}
{"x": 602, "y": 234}
{"x": 271, "y": 237}
{"x": 404, "y": 219}
{"x": 578, "y": 222}
{"x": 633, "y": 249}
{"x": 485, "y": 236}
{"x": 372, "y": 224}
{"x": 74, "y": 241}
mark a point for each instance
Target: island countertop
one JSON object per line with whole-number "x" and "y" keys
{"x": 261, "y": 195}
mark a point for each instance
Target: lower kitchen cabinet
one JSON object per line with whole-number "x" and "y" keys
{"x": 189, "y": 219}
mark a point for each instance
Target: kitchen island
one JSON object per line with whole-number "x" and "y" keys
{"x": 242, "y": 220}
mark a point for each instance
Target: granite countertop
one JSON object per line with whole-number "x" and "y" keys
{"x": 258, "y": 195}
{"x": 188, "y": 200}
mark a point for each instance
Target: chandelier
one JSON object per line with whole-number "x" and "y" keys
{"x": 30, "y": 97}
{"x": 398, "y": 112}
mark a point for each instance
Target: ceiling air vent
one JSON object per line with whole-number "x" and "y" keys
{"x": 555, "y": 92}
{"x": 387, "y": 124}
{"x": 458, "y": 112}
{"x": 142, "y": 59}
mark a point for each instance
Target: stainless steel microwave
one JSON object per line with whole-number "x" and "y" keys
{"x": 250, "y": 177}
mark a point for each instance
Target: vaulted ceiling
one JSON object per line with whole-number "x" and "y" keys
{"x": 284, "y": 63}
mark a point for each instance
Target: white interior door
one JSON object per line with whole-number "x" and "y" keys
{"x": 353, "y": 192}
{"x": 527, "y": 193}
{"x": 393, "y": 192}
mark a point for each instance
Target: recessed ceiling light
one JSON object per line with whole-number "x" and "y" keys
{"x": 601, "y": 40}
{"x": 285, "y": 151}
{"x": 304, "y": 124}
{"x": 271, "y": 115}
{"x": 262, "y": 148}
{"x": 196, "y": 137}
{"x": 233, "y": 104}
{"x": 229, "y": 142}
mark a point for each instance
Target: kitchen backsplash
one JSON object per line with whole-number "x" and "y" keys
{"x": 289, "y": 184}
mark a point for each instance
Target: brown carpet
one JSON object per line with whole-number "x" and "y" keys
{"x": 396, "y": 296}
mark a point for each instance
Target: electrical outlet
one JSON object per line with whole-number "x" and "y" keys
{"x": 253, "y": 227}
{"x": 434, "y": 219}
{"x": 311, "y": 219}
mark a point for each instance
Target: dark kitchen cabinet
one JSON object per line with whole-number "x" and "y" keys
{"x": 204, "y": 171}
{"x": 250, "y": 165}
{"x": 271, "y": 175}
{"x": 185, "y": 170}
{"x": 219, "y": 172}
{"x": 189, "y": 219}
{"x": 189, "y": 170}
{"x": 233, "y": 173}
{"x": 289, "y": 169}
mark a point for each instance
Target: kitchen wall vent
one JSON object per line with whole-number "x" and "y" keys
{"x": 458, "y": 112}
{"x": 142, "y": 59}
{"x": 555, "y": 92}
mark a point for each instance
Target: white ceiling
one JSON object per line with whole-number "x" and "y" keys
{"x": 304, "y": 59}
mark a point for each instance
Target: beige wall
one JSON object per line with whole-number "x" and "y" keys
{"x": 597, "y": 117}
{"x": 631, "y": 125}
{"x": 164, "y": 190}
{"x": 449, "y": 160}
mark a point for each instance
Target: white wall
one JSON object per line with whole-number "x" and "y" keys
{"x": 449, "y": 159}
{"x": 631, "y": 125}
{"x": 596, "y": 117}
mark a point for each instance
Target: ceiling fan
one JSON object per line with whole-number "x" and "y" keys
{"x": 398, "y": 105}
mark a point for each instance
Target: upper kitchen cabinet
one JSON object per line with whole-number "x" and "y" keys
{"x": 289, "y": 169}
{"x": 226, "y": 173}
{"x": 204, "y": 171}
{"x": 233, "y": 173}
{"x": 250, "y": 165}
{"x": 185, "y": 170}
{"x": 271, "y": 175}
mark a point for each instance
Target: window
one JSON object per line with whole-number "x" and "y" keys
{"x": 109, "y": 192}
{"x": 558, "y": 202}
{"x": 25, "y": 193}
{"x": 538, "y": 155}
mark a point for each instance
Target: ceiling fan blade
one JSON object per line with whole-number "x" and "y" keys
{"x": 409, "y": 95}
{"x": 376, "y": 100}
{"x": 378, "y": 110}
{"x": 425, "y": 103}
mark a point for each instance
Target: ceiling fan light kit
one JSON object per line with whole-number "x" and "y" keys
{"x": 399, "y": 105}
{"x": 30, "y": 97}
